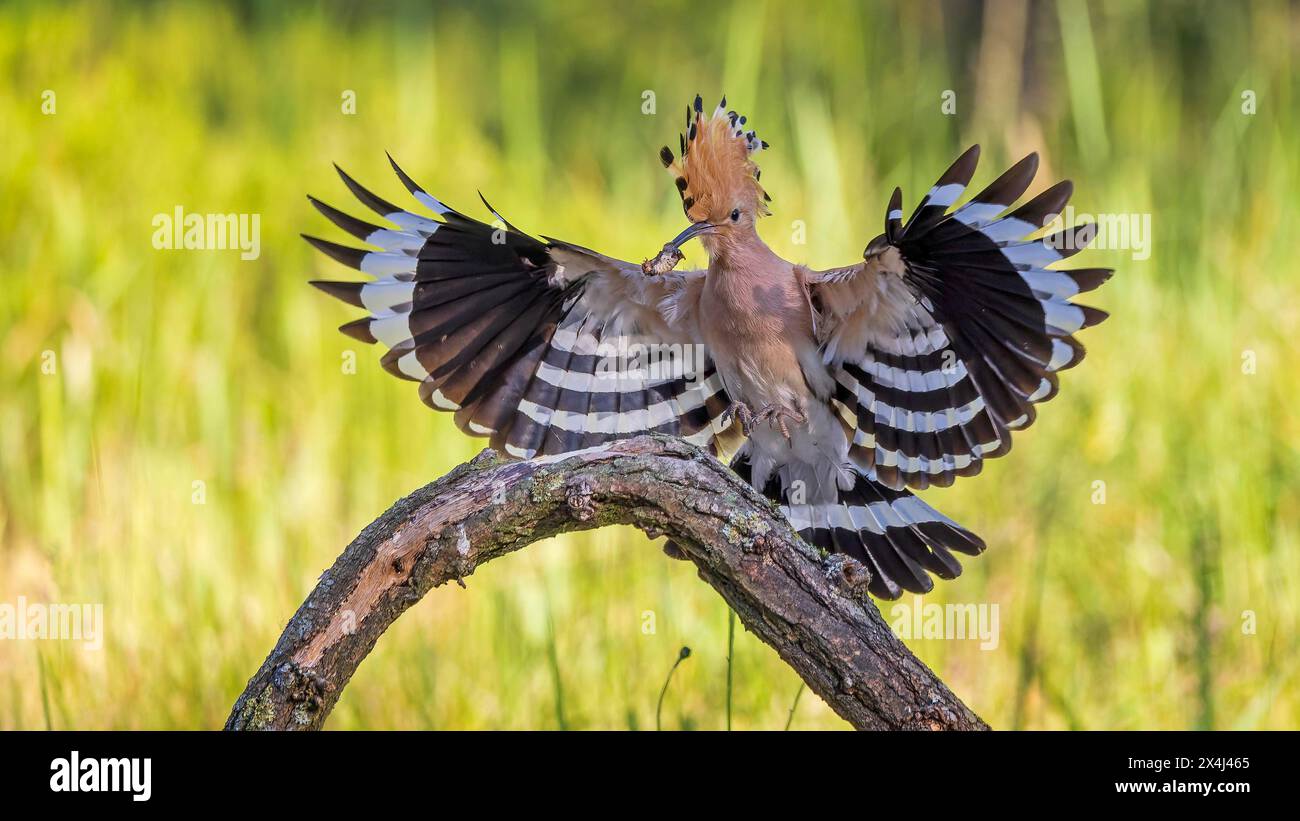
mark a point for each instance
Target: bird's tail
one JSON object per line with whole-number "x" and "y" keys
{"x": 900, "y": 538}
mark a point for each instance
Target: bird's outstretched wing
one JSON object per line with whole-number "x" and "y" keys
{"x": 953, "y": 327}
{"x": 529, "y": 342}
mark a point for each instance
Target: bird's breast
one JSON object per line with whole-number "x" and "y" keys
{"x": 758, "y": 330}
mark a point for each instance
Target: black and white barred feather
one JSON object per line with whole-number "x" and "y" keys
{"x": 495, "y": 330}
{"x": 899, "y": 537}
{"x": 990, "y": 327}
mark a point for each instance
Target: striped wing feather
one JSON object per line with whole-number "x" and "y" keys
{"x": 971, "y": 332}
{"x": 518, "y": 337}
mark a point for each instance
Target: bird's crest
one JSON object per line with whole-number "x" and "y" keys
{"x": 716, "y": 171}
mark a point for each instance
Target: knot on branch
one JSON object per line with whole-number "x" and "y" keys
{"x": 303, "y": 689}
{"x": 579, "y": 499}
{"x": 848, "y": 574}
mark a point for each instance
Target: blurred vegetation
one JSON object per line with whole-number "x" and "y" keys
{"x": 177, "y": 367}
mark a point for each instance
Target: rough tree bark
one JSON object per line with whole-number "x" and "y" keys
{"x": 813, "y": 609}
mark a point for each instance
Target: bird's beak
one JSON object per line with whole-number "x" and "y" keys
{"x": 694, "y": 230}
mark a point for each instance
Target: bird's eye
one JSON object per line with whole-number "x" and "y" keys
{"x": 735, "y": 215}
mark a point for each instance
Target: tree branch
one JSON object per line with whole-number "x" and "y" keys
{"x": 812, "y": 609}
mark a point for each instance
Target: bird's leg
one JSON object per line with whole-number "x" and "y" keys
{"x": 776, "y": 415}
{"x": 741, "y": 412}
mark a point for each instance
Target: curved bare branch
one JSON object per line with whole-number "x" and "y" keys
{"x": 812, "y": 608}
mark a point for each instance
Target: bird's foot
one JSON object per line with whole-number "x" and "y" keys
{"x": 740, "y": 411}
{"x": 775, "y": 415}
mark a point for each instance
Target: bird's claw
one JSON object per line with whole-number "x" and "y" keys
{"x": 741, "y": 412}
{"x": 775, "y": 415}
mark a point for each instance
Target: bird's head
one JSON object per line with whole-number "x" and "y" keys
{"x": 717, "y": 177}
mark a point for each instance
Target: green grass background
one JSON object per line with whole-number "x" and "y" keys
{"x": 176, "y": 367}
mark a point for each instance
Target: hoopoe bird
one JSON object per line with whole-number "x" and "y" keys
{"x": 850, "y": 387}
